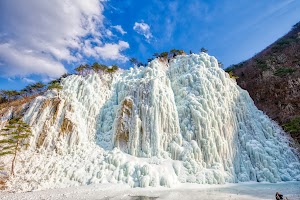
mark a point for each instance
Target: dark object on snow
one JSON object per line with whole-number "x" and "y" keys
{"x": 278, "y": 196}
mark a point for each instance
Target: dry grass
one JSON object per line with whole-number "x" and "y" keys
{"x": 2, "y": 185}
{"x": 3, "y": 180}
{"x": 4, "y": 107}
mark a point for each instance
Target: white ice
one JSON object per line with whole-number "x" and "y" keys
{"x": 160, "y": 125}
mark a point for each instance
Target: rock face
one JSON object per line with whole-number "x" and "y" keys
{"x": 272, "y": 78}
{"x": 182, "y": 121}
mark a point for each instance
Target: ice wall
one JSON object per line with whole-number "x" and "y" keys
{"x": 223, "y": 129}
{"x": 145, "y": 122}
{"x": 182, "y": 121}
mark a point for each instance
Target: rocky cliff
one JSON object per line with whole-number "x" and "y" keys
{"x": 272, "y": 78}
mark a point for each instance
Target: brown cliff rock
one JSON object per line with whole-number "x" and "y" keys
{"x": 272, "y": 78}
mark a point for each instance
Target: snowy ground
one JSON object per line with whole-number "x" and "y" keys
{"x": 185, "y": 191}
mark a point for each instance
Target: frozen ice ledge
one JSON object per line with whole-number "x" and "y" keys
{"x": 167, "y": 123}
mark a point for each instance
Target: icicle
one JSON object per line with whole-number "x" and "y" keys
{"x": 156, "y": 125}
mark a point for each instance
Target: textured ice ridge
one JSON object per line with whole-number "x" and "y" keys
{"x": 186, "y": 121}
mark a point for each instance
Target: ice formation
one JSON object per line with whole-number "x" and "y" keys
{"x": 182, "y": 121}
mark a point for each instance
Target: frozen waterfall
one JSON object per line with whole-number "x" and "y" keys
{"x": 182, "y": 121}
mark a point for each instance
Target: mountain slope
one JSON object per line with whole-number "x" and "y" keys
{"x": 272, "y": 78}
{"x": 167, "y": 123}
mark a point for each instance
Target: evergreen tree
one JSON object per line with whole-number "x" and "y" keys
{"x": 13, "y": 137}
{"x": 103, "y": 67}
{"x": 55, "y": 84}
{"x": 181, "y": 52}
{"x": 150, "y": 59}
{"x": 156, "y": 55}
{"x": 87, "y": 68}
{"x": 37, "y": 87}
{"x": 96, "y": 67}
{"x": 204, "y": 50}
{"x": 173, "y": 52}
{"x": 80, "y": 69}
{"x": 220, "y": 64}
{"x": 10, "y": 94}
{"x": 2, "y": 98}
{"x": 28, "y": 90}
{"x": 65, "y": 75}
{"x": 134, "y": 61}
{"x": 113, "y": 69}
{"x": 164, "y": 55}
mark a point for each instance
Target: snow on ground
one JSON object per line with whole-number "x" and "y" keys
{"x": 241, "y": 191}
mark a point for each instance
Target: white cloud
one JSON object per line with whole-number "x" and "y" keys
{"x": 109, "y": 33}
{"x": 112, "y": 51}
{"x": 120, "y": 29}
{"x": 36, "y": 37}
{"x": 24, "y": 62}
{"x": 143, "y": 29}
{"x": 11, "y": 80}
{"x": 28, "y": 80}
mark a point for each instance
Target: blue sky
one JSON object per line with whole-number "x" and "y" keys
{"x": 40, "y": 40}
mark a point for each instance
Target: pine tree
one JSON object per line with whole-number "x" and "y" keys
{"x": 13, "y": 137}
{"x": 150, "y": 59}
{"x": 96, "y": 67}
{"x": 37, "y": 87}
{"x": 180, "y": 52}
{"x": 134, "y": 61}
{"x": 27, "y": 91}
{"x": 220, "y": 64}
{"x": 2, "y": 98}
{"x": 164, "y": 55}
{"x": 65, "y": 75}
{"x": 173, "y": 52}
{"x": 54, "y": 85}
{"x": 103, "y": 67}
{"x": 156, "y": 55}
{"x": 113, "y": 69}
{"x": 204, "y": 50}
{"x": 10, "y": 94}
{"x": 87, "y": 68}
{"x": 80, "y": 69}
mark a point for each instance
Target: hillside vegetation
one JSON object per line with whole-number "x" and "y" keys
{"x": 272, "y": 78}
